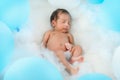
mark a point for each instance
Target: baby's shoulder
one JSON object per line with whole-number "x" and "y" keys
{"x": 69, "y": 34}
{"x": 48, "y": 32}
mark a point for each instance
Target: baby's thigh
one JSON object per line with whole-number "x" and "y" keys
{"x": 76, "y": 51}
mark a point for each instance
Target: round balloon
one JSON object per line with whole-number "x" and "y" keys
{"x": 110, "y": 15}
{"x": 6, "y": 45}
{"x": 112, "y": 9}
{"x": 32, "y": 68}
{"x": 116, "y": 63}
{"x": 94, "y": 76}
{"x": 67, "y": 4}
{"x": 14, "y": 13}
{"x": 95, "y": 1}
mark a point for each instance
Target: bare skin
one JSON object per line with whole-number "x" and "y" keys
{"x": 60, "y": 40}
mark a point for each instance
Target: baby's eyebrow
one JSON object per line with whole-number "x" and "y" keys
{"x": 65, "y": 20}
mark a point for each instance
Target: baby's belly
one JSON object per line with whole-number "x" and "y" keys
{"x": 56, "y": 46}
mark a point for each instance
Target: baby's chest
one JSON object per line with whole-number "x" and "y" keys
{"x": 59, "y": 37}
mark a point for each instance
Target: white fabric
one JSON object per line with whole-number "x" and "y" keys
{"x": 68, "y": 55}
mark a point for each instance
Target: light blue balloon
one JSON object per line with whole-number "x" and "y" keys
{"x": 94, "y": 76}
{"x": 32, "y": 68}
{"x": 6, "y": 45}
{"x": 14, "y": 13}
{"x": 95, "y": 1}
{"x": 112, "y": 10}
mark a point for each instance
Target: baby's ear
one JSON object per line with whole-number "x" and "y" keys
{"x": 53, "y": 23}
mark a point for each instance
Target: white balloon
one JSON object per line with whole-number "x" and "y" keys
{"x": 116, "y": 63}
{"x": 68, "y": 4}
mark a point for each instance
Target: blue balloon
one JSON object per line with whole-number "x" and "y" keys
{"x": 94, "y": 76}
{"x": 32, "y": 68}
{"x": 14, "y": 13}
{"x": 95, "y": 1}
{"x": 112, "y": 10}
{"x": 6, "y": 45}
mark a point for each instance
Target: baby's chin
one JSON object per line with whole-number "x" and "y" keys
{"x": 65, "y": 31}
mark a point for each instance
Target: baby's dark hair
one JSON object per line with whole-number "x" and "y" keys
{"x": 54, "y": 15}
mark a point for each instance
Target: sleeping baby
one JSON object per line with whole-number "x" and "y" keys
{"x": 60, "y": 41}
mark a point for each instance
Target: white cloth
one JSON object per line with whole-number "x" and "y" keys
{"x": 67, "y": 55}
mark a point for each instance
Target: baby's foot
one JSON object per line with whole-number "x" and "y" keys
{"x": 74, "y": 71}
{"x": 81, "y": 59}
{"x": 76, "y": 59}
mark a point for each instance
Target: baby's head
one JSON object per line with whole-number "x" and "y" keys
{"x": 61, "y": 20}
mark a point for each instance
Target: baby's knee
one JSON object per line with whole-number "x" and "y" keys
{"x": 78, "y": 49}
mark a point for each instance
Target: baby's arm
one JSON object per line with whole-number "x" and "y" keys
{"x": 71, "y": 39}
{"x": 45, "y": 38}
{"x": 69, "y": 45}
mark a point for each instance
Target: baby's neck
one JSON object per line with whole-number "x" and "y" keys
{"x": 59, "y": 31}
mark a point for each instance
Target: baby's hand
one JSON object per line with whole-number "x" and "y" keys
{"x": 68, "y": 46}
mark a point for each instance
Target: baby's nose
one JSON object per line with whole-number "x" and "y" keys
{"x": 67, "y": 25}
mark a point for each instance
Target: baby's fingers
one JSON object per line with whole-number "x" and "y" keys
{"x": 68, "y": 46}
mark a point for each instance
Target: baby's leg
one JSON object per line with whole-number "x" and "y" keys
{"x": 76, "y": 54}
{"x": 76, "y": 59}
{"x": 62, "y": 58}
{"x": 76, "y": 51}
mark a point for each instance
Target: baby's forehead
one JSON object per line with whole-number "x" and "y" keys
{"x": 64, "y": 16}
